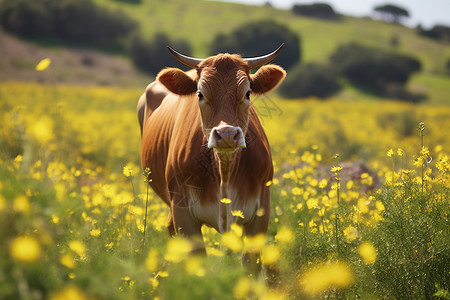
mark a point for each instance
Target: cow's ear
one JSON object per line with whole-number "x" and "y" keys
{"x": 267, "y": 78}
{"x": 177, "y": 81}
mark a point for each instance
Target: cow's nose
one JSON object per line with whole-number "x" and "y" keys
{"x": 226, "y": 138}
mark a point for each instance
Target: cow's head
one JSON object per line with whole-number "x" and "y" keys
{"x": 224, "y": 85}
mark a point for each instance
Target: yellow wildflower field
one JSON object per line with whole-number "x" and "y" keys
{"x": 359, "y": 203}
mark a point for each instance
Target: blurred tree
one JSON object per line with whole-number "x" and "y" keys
{"x": 151, "y": 56}
{"x": 392, "y": 13}
{"x": 310, "y": 80}
{"x": 130, "y": 1}
{"x": 316, "y": 10}
{"x": 79, "y": 21}
{"x": 438, "y": 32}
{"x": 259, "y": 38}
{"x": 375, "y": 69}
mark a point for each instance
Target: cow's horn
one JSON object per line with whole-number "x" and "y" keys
{"x": 186, "y": 60}
{"x": 259, "y": 61}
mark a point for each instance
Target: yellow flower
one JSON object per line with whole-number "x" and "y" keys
{"x": 25, "y": 248}
{"x": 163, "y": 274}
{"x": 351, "y": 233}
{"x": 362, "y": 205}
{"x": 95, "y": 232}
{"x": 232, "y": 241}
{"x": 443, "y": 164}
{"x": 77, "y": 247}
{"x": 242, "y": 288}
{"x": 214, "y": 252}
{"x": 127, "y": 171}
{"x": 400, "y": 152}
{"x": 425, "y": 152}
{"x": 336, "y": 169}
{"x": 380, "y": 206}
{"x": 335, "y": 275}
{"x": 254, "y": 244}
{"x": 390, "y": 153}
{"x": 17, "y": 161}
{"x": 42, "y": 129}
{"x": 368, "y": 253}
{"x": 225, "y": 201}
{"x": 55, "y": 219}
{"x": 43, "y": 64}
{"x": 152, "y": 260}
{"x": 109, "y": 246}
{"x": 270, "y": 254}
{"x": 260, "y": 212}
{"x": 284, "y": 235}
{"x": 67, "y": 261}
{"x": 237, "y": 213}
{"x": 69, "y": 293}
{"x": 323, "y": 183}
{"x": 195, "y": 266}
{"x": 155, "y": 283}
{"x": 312, "y": 203}
{"x": 2, "y": 202}
{"x": 177, "y": 249}
{"x": 21, "y": 204}
{"x": 296, "y": 191}
{"x": 236, "y": 229}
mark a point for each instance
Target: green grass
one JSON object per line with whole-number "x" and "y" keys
{"x": 436, "y": 87}
{"x": 200, "y": 21}
{"x": 72, "y": 223}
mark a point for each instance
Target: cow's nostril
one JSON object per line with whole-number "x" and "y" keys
{"x": 237, "y": 136}
{"x": 217, "y": 136}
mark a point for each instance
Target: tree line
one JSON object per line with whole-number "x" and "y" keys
{"x": 81, "y": 21}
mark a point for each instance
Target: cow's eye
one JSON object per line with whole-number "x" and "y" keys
{"x": 247, "y": 96}
{"x": 200, "y": 95}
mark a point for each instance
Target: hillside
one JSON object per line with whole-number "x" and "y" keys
{"x": 198, "y": 22}
{"x": 69, "y": 65}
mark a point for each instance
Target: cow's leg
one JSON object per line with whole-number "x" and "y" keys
{"x": 182, "y": 222}
{"x": 259, "y": 225}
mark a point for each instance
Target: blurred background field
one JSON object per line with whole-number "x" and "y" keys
{"x": 370, "y": 222}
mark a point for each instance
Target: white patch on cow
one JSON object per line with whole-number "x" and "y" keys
{"x": 210, "y": 214}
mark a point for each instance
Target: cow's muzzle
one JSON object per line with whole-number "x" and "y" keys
{"x": 226, "y": 138}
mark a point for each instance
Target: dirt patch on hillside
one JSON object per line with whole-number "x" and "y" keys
{"x": 18, "y": 60}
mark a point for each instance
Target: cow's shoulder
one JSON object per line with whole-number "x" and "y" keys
{"x": 154, "y": 96}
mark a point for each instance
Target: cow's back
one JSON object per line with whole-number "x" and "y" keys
{"x": 171, "y": 123}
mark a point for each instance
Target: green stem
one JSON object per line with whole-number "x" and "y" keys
{"x": 145, "y": 216}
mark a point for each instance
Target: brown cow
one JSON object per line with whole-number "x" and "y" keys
{"x": 203, "y": 141}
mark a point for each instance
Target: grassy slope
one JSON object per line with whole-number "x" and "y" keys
{"x": 200, "y": 21}
{"x": 75, "y": 66}
{"x": 70, "y": 176}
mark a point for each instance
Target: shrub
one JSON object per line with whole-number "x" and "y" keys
{"x": 259, "y": 38}
{"x": 316, "y": 10}
{"x": 79, "y": 21}
{"x": 438, "y": 32}
{"x": 310, "y": 80}
{"x": 151, "y": 56}
{"x": 373, "y": 68}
